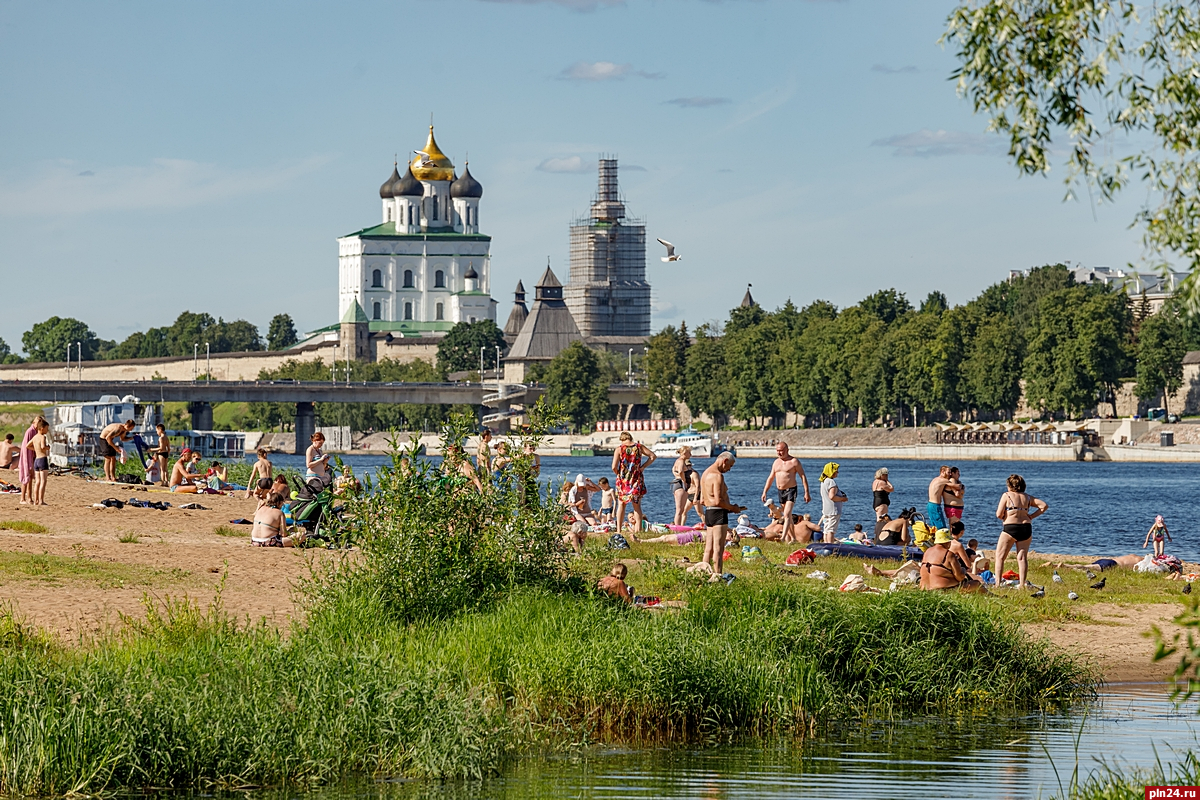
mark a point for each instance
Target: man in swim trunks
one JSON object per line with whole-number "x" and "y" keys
{"x": 714, "y": 496}
{"x": 111, "y": 439}
{"x": 934, "y": 514}
{"x": 1101, "y": 564}
{"x": 784, "y": 471}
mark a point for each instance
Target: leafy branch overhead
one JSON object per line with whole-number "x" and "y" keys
{"x": 1090, "y": 70}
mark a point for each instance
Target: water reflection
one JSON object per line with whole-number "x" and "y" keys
{"x": 995, "y": 756}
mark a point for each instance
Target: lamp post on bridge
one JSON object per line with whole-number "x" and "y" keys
{"x": 79, "y": 348}
{"x": 195, "y": 361}
{"x": 482, "y": 350}
{"x": 68, "y": 361}
{"x": 207, "y": 364}
{"x": 498, "y": 389}
{"x": 629, "y": 374}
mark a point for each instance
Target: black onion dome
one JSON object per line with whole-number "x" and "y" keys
{"x": 385, "y": 191}
{"x": 408, "y": 186}
{"x": 466, "y": 186}
{"x": 471, "y": 273}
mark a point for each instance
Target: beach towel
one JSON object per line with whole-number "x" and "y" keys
{"x": 26, "y": 459}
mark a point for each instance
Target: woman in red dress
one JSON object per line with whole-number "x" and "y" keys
{"x": 628, "y": 466}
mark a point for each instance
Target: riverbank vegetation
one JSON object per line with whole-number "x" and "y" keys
{"x": 463, "y": 633}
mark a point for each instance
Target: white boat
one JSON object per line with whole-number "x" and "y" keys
{"x": 703, "y": 445}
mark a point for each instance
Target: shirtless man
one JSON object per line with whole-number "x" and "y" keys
{"x": 952, "y": 497}
{"x": 714, "y": 496}
{"x": 8, "y": 452}
{"x": 934, "y": 514}
{"x": 784, "y": 471}
{"x": 111, "y": 439}
{"x": 1100, "y": 564}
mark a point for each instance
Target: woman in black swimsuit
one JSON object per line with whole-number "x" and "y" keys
{"x": 1016, "y": 510}
{"x": 881, "y": 493}
{"x": 681, "y": 472}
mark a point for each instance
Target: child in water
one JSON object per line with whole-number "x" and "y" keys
{"x": 1159, "y": 531}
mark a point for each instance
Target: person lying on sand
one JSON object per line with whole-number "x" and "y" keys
{"x": 1100, "y": 564}
{"x": 684, "y": 537}
{"x": 907, "y": 567}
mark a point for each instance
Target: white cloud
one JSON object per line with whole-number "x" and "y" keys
{"x": 567, "y": 164}
{"x": 926, "y": 143}
{"x": 164, "y": 183}
{"x": 885, "y": 69}
{"x": 604, "y": 71}
{"x": 697, "y": 102}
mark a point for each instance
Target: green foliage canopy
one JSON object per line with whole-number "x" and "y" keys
{"x": 458, "y": 351}
{"x": 47, "y": 341}
{"x": 281, "y": 333}
{"x": 577, "y": 382}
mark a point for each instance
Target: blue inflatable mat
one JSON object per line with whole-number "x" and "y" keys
{"x": 879, "y": 551}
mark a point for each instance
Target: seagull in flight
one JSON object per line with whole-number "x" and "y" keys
{"x": 670, "y": 256}
{"x": 425, "y": 160}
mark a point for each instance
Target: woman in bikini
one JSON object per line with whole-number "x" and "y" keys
{"x": 941, "y": 569}
{"x": 269, "y": 525}
{"x": 263, "y": 468}
{"x": 680, "y": 484}
{"x": 162, "y": 453}
{"x": 881, "y": 493}
{"x": 1016, "y": 510}
{"x": 628, "y": 466}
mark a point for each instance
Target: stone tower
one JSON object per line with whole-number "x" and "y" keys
{"x": 606, "y": 290}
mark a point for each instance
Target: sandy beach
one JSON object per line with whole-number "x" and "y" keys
{"x": 79, "y": 577}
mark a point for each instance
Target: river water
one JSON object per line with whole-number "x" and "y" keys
{"x": 1096, "y": 509}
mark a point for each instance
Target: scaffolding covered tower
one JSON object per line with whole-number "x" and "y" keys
{"x": 607, "y": 291}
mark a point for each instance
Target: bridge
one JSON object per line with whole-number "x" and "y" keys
{"x": 201, "y": 395}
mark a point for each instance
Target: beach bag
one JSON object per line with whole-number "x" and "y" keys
{"x": 617, "y": 542}
{"x": 750, "y": 552}
{"x": 923, "y": 534}
{"x": 800, "y": 557}
{"x": 1171, "y": 563}
{"x": 1149, "y": 564}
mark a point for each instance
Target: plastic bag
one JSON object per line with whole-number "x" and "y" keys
{"x": 1148, "y": 564}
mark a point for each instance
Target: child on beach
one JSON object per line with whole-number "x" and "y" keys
{"x": 608, "y": 500}
{"x": 1159, "y": 531}
{"x": 41, "y": 463}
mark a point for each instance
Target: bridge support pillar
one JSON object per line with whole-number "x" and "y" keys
{"x": 305, "y": 427}
{"x": 201, "y": 415}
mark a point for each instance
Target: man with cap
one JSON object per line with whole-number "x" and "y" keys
{"x": 578, "y": 500}
{"x": 942, "y": 569}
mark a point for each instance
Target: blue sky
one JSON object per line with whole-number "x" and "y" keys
{"x": 162, "y": 157}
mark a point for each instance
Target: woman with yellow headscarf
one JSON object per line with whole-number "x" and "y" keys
{"x": 832, "y": 499}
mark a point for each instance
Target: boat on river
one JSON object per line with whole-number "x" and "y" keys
{"x": 703, "y": 445}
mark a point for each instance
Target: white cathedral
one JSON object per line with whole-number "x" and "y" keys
{"x": 426, "y": 266}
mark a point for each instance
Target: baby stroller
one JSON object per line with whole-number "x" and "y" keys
{"x": 313, "y": 510}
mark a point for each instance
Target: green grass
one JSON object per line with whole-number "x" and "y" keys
{"x": 15, "y": 417}
{"x": 1111, "y": 783}
{"x": 129, "y": 537}
{"x": 22, "y": 526}
{"x": 79, "y": 570}
{"x": 228, "y": 530}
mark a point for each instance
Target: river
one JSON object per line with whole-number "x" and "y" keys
{"x": 1096, "y": 509}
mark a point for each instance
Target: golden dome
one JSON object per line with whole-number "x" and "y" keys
{"x": 433, "y": 165}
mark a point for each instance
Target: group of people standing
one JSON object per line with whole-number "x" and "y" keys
{"x": 32, "y": 459}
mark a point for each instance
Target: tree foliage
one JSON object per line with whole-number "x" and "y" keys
{"x": 577, "y": 381}
{"x": 1160, "y": 356}
{"x": 666, "y": 361}
{"x": 281, "y": 333}
{"x": 1091, "y": 70}
{"x": 47, "y": 341}
{"x": 458, "y": 351}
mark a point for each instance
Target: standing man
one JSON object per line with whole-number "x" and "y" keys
{"x": 714, "y": 496}
{"x": 832, "y": 500}
{"x": 934, "y": 514}
{"x": 483, "y": 456}
{"x": 111, "y": 444}
{"x": 952, "y": 497}
{"x": 784, "y": 471}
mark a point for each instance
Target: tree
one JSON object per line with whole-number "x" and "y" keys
{"x": 458, "y": 351}
{"x": 992, "y": 367}
{"x": 666, "y": 361}
{"x": 281, "y": 333}
{"x": 575, "y": 381}
{"x": 1094, "y": 70}
{"x": 237, "y": 336}
{"x": 1160, "y": 357}
{"x": 47, "y": 341}
{"x": 706, "y": 387}
{"x": 887, "y": 305}
{"x": 935, "y": 303}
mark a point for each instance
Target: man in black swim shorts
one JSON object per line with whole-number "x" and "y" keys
{"x": 714, "y": 496}
{"x": 784, "y": 471}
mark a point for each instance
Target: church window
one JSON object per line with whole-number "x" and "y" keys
{"x": 412, "y": 215}
{"x": 375, "y": 311}
{"x": 439, "y": 314}
{"x": 408, "y": 279}
{"x": 433, "y": 201}
{"x": 376, "y": 279}
{"x": 408, "y": 310}
{"x": 439, "y": 280}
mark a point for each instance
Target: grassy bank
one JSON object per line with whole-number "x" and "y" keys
{"x": 188, "y": 697}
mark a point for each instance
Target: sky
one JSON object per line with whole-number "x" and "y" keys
{"x": 161, "y": 157}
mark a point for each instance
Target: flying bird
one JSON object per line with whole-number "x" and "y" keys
{"x": 425, "y": 160}
{"x": 1057, "y": 577}
{"x": 1072, "y": 596}
{"x": 1099, "y": 584}
{"x": 670, "y": 256}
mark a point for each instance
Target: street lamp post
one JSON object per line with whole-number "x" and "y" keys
{"x": 195, "y": 361}
{"x": 79, "y": 348}
{"x": 207, "y": 363}
{"x": 498, "y": 390}
{"x": 68, "y": 361}
{"x": 645, "y": 369}
{"x": 629, "y": 373}
{"x": 482, "y": 350}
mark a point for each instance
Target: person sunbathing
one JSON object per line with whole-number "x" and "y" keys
{"x": 270, "y": 526}
{"x": 941, "y": 569}
{"x": 1100, "y": 564}
{"x": 614, "y": 583}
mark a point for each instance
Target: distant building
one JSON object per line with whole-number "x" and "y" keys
{"x": 607, "y": 290}
{"x": 547, "y": 331}
{"x": 426, "y": 266}
{"x": 1155, "y": 288}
